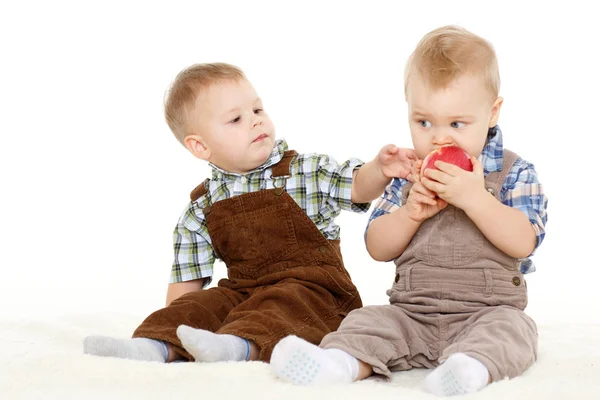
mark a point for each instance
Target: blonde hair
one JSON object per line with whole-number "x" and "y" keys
{"x": 180, "y": 98}
{"x": 450, "y": 51}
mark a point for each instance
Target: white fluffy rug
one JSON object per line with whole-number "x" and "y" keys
{"x": 42, "y": 359}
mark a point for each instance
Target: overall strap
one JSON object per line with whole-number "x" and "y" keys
{"x": 282, "y": 168}
{"x": 495, "y": 180}
{"x": 199, "y": 190}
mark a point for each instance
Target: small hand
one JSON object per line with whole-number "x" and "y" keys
{"x": 396, "y": 162}
{"x": 456, "y": 186}
{"x": 422, "y": 203}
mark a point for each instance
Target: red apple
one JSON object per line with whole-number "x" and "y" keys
{"x": 450, "y": 154}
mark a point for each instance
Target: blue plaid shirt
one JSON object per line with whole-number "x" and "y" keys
{"x": 521, "y": 190}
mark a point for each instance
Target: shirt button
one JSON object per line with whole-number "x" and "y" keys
{"x": 516, "y": 281}
{"x": 397, "y": 278}
{"x": 244, "y": 179}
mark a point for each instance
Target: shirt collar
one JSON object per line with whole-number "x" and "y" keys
{"x": 492, "y": 154}
{"x": 279, "y": 148}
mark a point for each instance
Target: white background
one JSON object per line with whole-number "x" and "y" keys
{"x": 93, "y": 181}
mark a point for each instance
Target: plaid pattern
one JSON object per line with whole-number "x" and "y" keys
{"x": 319, "y": 185}
{"x": 521, "y": 190}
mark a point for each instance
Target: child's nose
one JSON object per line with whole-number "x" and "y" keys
{"x": 257, "y": 121}
{"x": 442, "y": 138}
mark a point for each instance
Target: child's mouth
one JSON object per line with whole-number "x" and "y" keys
{"x": 260, "y": 137}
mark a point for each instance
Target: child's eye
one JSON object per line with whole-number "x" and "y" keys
{"x": 235, "y": 120}
{"x": 457, "y": 125}
{"x": 424, "y": 123}
{"x": 258, "y": 110}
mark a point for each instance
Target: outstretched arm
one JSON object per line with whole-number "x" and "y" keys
{"x": 370, "y": 180}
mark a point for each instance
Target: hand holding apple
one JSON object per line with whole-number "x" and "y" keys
{"x": 450, "y": 154}
{"x": 422, "y": 203}
{"x": 457, "y": 178}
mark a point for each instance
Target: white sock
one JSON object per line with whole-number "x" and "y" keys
{"x": 459, "y": 374}
{"x": 207, "y": 346}
{"x": 135, "y": 349}
{"x": 302, "y": 363}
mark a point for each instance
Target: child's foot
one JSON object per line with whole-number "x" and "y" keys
{"x": 302, "y": 363}
{"x": 459, "y": 374}
{"x": 207, "y": 346}
{"x": 135, "y": 349}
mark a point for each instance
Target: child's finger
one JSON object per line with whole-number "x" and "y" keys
{"x": 419, "y": 188}
{"x": 477, "y": 167}
{"x": 390, "y": 149}
{"x": 412, "y": 155}
{"x": 434, "y": 186}
{"x": 419, "y": 198}
{"x": 448, "y": 168}
{"x": 416, "y": 169}
{"x": 437, "y": 175}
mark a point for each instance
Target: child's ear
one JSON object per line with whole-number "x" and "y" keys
{"x": 496, "y": 112}
{"x": 197, "y": 147}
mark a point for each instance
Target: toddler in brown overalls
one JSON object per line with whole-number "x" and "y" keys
{"x": 460, "y": 241}
{"x": 268, "y": 213}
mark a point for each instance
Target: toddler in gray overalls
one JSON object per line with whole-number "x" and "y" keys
{"x": 460, "y": 241}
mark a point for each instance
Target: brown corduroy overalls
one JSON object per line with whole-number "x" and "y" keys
{"x": 284, "y": 276}
{"x": 454, "y": 292}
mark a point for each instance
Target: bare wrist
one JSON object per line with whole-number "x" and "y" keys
{"x": 479, "y": 202}
{"x": 414, "y": 222}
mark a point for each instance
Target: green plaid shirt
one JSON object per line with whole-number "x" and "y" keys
{"x": 319, "y": 185}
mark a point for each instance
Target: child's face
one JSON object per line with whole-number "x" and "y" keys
{"x": 459, "y": 114}
{"x": 236, "y": 132}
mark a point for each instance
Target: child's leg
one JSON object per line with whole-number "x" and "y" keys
{"x": 156, "y": 339}
{"x": 206, "y": 346}
{"x": 275, "y": 311}
{"x": 459, "y": 374}
{"x": 307, "y": 302}
{"x": 370, "y": 340}
{"x": 136, "y": 349}
{"x": 303, "y": 363}
{"x": 498, "y": 342}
